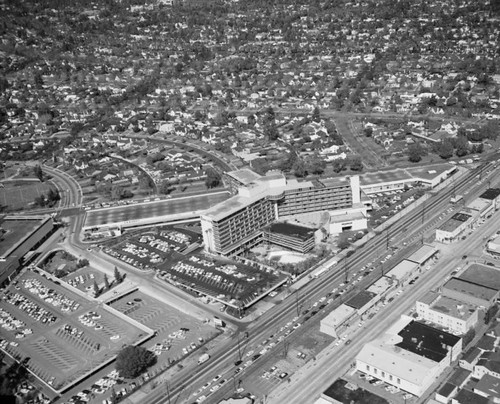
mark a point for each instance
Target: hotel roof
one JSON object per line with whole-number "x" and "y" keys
{"x": 244, "y": 176}
{"x": 471, "y": 289}
{"x": 301, "y": 232}
{"x": 483, "y": 275}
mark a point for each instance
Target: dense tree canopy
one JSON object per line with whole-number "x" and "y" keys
{"x": 133, "y": 360}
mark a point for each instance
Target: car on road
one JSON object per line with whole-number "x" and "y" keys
{"x": 216, "y": 378}
{"x": 283, "y": 375}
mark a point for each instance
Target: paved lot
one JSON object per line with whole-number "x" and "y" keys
{"x": 167, "y": 322}
{"x": 65, "y": 335}
{"x": 153, "y": 209}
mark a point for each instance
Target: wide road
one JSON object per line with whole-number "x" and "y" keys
{"x": 69, "y": 188}
{"x": 333, "y": 363}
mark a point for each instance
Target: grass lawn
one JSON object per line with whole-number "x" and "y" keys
{"x": 19, "y": 195}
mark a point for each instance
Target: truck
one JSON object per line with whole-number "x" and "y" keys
{"x": 456, "y": 198}
{"x": 203, "y": 358}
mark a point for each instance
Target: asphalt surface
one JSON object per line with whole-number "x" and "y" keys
{"x": 153, "y": 209}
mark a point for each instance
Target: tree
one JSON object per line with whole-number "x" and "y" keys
{"x": 213, "y": 178}
{"x": 355, "y": 163}
{"x": 38, "y": 172}
{"x": 445, "y": 149}
{"x": 97, "y": 291}
{"x": 461, "y": 146}
{"x": 106, "y": 282}
{"x": 118, "y": 275}
{"x": 415, "y": 152}
{"x": 131, "y": 361}
{"x": 299, "y": 168}
{"x": 368, "y": 131}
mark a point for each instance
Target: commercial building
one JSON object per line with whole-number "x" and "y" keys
{"x": 403, "y": 272}
{"x": 493, "y": 246}
{"x": 401, "y": 178}
{"x": 238, "y": 223}
{"x": 454, "y": 316}
{"x": 450, "y": 230}
{"x": 469, "y": 292}
{"x": 423, "y": 255}
{"x": 484, "y": 275}
{"x": 338, "y": 320}
{"x": 19, "y": 235}
{"x": 410, "y": 356}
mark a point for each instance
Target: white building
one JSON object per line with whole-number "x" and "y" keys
{"x": 410, "y": 356}
{"x": 455, "y": 316}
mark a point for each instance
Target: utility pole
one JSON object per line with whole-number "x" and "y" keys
{"x": 387, "y": 238}
{"x": 297, "y": 302}
{"x": 168, "y": 392}
{"x": 423, "y": 212}
{"x": 346, "y": 270}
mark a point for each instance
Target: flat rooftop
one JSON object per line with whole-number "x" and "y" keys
{"x": 454, "y": 222}
{"x": 361, "y": 299}
{"x": 471, "y": 289}
{"x": 16, "y": 230}
{"x": 335, "y": 182}
{"x": 426, "y": 341}
{"x": 422, "y": 254}
{"x": 428, "y": 173}
{"x": 380, "y": 286}
{"x": 292, "y": 230}
{"x": 452, "y": 307}
{"x": 380, "y": 177}
{"x": 483, "y": 275}
{"x": 245, "y": 175}
{"x": 490, "y": 194}
{"x": 402, "y": 269}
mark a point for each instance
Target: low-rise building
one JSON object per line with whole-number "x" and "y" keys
{"x": 410, "y": 356}
{"x": 450, "y": 230}
{"x": 470, "y": 292}
{"x": 454, "y": 316}
{"x": 403, "y": 272}
{"x": 337, "y": 320}
{"x": 489, "y": 387}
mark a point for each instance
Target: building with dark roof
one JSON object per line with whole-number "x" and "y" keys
{"x": 427, "y": 341}
{"x": 470, "y": 358}
{"x": 488, "y": 387}
{"x": 292, "y": 236}
{"x": 490, "y": 194}
{"x": 469, "y": 292}
{"x": 469, "y": 397}
{"x": 484, "y": 275}
{"x": 445, "y": 393}
{"x": 488, "y": 364}
{"x": 410, "y": 356}
{"x": 362, "y": 301}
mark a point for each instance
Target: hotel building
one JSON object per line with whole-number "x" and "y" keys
{"x": 238, "y": 223}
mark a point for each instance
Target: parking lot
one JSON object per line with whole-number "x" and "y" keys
{"x": 148, "y": 250}
{"x": 378, "y": 387}
{"x": 227, "y": 281}
{"x": 64, "y": 334}
{"x": 177, "y": 333}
